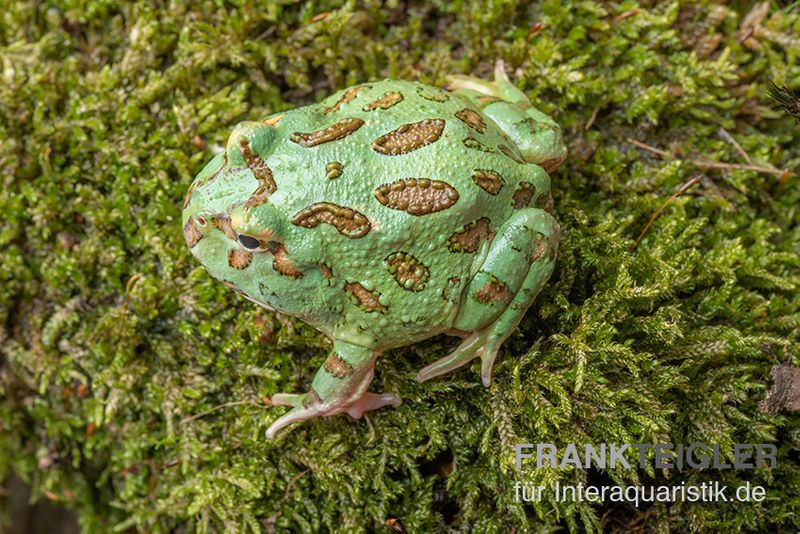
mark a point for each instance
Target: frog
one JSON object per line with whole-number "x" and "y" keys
{"x": 388, "y": 213}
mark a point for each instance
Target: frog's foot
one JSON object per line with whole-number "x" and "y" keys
{"x": 473, "y": 346}
{"x": 535, "y": 134}
{"x": 340, "y": 386}
{"x": 501, "y": 87}
{"x": 502, "y": 291}
{"x": 483, "y": 344}
{"x": 308, "y": 405}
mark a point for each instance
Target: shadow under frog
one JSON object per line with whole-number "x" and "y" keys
{"x": 389, "y": 213}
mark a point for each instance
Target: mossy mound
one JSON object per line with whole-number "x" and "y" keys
{"x": 133, "y": 384}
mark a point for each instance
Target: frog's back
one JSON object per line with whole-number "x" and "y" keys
{"x": 429, "y": 177}
{"x": 391, "y": 131}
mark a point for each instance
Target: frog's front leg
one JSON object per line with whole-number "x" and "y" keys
{"x": 519, "y": 263}
{"x": 339, "y": 386}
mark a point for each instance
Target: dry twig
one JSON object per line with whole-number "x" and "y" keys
{"x": 649, "y": 148}
{"x": 705, "y": 164}
{"x": 729, "y": 138}
{"x": 685, "y": 187}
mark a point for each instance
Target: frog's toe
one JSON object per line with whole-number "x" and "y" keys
{"x": 372, "y": 401}
{"x": 489, "y": 355}
{"x": 460, "y": 82}
{"x": 279, "y": 423}
{"x": 470, "y": 348}
{"x": 295, "y": 415}
{"x": 287, "y": 399}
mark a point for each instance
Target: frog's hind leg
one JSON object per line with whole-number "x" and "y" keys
{"x": 340, "y": 386}
{"x": 502, "y": 291}
{"x": 535, "y": 134}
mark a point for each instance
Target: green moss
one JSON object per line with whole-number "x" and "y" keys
{"x": 133, "y": 383}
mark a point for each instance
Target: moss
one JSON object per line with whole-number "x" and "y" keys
{"x": 133, "y": 385}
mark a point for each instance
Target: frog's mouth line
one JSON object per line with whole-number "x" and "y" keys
{"x": 262, "y": 304}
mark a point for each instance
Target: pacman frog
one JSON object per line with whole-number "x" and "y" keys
{"x": 389, "y": 213}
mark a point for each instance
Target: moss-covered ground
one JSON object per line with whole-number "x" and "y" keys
{"x": 133, "y": 385}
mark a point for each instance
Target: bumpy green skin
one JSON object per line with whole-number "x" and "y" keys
{"x": 389, "y": 213}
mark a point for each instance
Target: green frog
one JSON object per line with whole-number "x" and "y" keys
{"x": 391, "y": 212}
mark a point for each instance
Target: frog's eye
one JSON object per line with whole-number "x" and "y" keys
{"x": 249, "y": 242}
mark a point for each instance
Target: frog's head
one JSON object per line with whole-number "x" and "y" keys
{"x": 231, "y": 227}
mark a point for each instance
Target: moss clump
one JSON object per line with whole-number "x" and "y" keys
{"x": 133, "y": 383}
